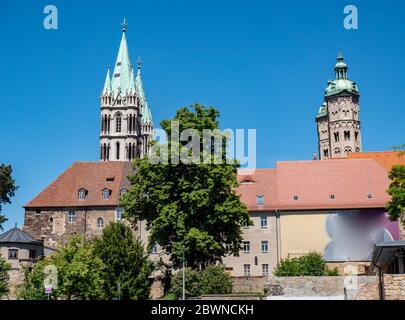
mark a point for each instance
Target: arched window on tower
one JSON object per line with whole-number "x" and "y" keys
{"x": 347, "y": 135}
{"x": 337, "y": 152}
{"x": 118, "y": 150}
{"x": 118, "y": 122}
{"x": 336, "y": 134}
{"x": 130, "y": 152}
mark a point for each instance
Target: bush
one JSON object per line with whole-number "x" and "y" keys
{"x": 311, "y": 264}
{"x": 212, "y": 280}
{"x": 215, "y": 280}
{"x": 193, "y": 285}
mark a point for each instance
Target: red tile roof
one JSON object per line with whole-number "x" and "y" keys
{"x": 350, "y": 181}
{"x": 385, "y": 158}
{"x": 92, "y": 176}
{"x": 262, "y": 182}
{"x": 315, "y": 181}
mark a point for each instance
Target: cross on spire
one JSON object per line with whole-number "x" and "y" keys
{"x": 124, "y": 25}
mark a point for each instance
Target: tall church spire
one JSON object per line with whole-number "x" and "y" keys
{"x": 126, "y": 120}
{"x": 122, "y": 68}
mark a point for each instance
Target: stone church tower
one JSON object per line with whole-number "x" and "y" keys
{"x": 126, "y": 119}
{"x": 338, "y": 119}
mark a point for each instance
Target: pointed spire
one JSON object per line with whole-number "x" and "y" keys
{"x": 122, "y": 68}
{"x": 124, "y": 25}
{"x": 107, "y": 83}
{"x": 145, "y": 109}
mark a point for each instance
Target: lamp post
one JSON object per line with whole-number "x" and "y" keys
{"x": 184, "y": 272}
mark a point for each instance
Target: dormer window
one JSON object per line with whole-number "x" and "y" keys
{"x": 123, "y": 191}
{"x": 332, "y": 196}
{"x": 370, "y": 196}
{"x": 260, "y": 199}
{"x": 295, "y": 197}
{"x": 106, "y": 193}
{"x": 110, "y": 179}
{"x": 82, "y": 194}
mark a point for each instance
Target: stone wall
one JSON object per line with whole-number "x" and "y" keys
{"x": 352, "y": 288}
{"x": 394, "y": 286}
{"x": 52, "y": 225}
{"x": 249, "y": 284}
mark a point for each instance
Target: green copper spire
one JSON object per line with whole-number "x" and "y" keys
{"x": 340, "y": 67}
{"x": 342, "y": 82}
{"x": 122, "y": 68}
{"x": 107, "y": 83}
{"x": 145, "y": 110}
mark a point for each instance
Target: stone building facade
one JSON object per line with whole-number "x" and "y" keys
{"x": 338, "y": 119}
{"x": 126, "y": 118}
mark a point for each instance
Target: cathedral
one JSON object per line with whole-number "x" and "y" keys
{"x": 126, "y": 119}
{"x": 338, "y": 119}
{"x": 293, "y": 206}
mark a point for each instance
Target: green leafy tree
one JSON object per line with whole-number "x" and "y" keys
{"x": 4, "y": 276}
{"x": 32, "y": 287}
{"x": 125, "y": 262}
{"x": 7, "y": 188}
{"x": 80, "y": 271}
{"x": 191, "y": 205}
{"x": 311, "y": 264}
{"x": 396, "y": 206}
{"x": 79, "y": 274}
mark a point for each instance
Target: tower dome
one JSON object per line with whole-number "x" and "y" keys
{"x": 341, "y": 83}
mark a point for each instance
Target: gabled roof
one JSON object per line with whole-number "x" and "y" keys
{"x": 353, "y": 183}
{"x": 16, "y": 235}
{"x": 91, "y": 176}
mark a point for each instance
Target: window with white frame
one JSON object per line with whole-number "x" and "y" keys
{"x": 265, "y": 246}
{"x": 260, "y": 199}
{"x": 246, "y": 270}
{"x": 265, "y": 269}
{"x": 71, "y": 216}
{"x": 263, "y": 221}
{"x": 246, "y": 246}
{"x": 82, "y": 194}
{"x": 118, "y": 214}
{"x": 106, "y": 193}
{"x": 100, "y": 223}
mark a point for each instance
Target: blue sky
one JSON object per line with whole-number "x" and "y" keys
{"x": 263, "y": 64}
